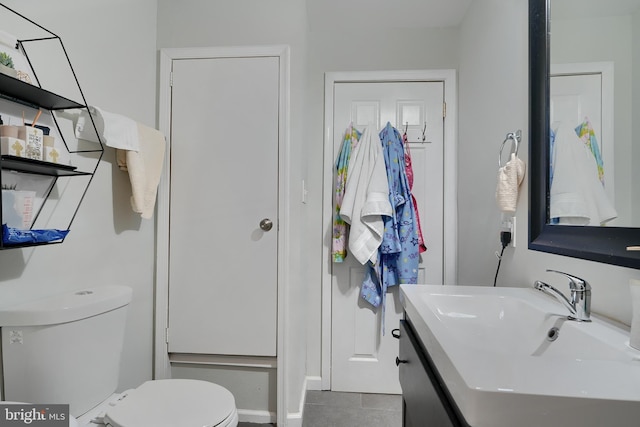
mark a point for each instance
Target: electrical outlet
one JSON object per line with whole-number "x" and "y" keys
{"x": 509, "y": 225}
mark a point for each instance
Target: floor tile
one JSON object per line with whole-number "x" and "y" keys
{"x": 390, "y": 402}
{"x": 255, "y": 425}
{"x": 338, "y": 409}
{"x": 339, "y": 416}
{"x": 334, "y": 398}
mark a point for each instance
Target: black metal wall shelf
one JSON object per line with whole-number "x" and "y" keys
{"x": 28, "y": 245}
{"x": 38, "y": 167}
{"x": 24, "y": 93}
{"x": 29, "y": 174}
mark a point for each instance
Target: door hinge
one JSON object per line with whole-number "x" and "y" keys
{"x": 171, "y": 79}
{"x": 166, "y": 335}
{"x": 444, "y": 110}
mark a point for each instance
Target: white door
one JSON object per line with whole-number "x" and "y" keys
{"x": 362, "y": 358}
{"x": 579, "y": 91}
{"x": 576, "y": 96}
{"x": 224, "y": 183}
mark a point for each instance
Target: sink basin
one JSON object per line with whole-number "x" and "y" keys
{"x": 509, "y": 357}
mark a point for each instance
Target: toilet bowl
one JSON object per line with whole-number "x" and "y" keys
{"x": 86, "y": 330}
{"x": 166, "y": 403}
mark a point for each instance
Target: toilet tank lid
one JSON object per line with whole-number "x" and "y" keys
{"x": 66, "y": 307}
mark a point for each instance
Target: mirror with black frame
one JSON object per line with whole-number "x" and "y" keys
{"x": 581, "y": 57}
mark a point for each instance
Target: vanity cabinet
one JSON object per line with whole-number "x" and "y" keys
{"x": 425, "y": 399}
{"x": 54, "y": 191}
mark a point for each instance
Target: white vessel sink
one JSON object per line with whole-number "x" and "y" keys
{"x": 494, "y": 349}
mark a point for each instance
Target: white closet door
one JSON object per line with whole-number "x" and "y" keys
{"x": 224, "y": 182}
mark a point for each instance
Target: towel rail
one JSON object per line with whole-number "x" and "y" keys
{"x": 515, "y": 138}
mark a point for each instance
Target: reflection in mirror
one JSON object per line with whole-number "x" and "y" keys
{"x": 592, "y": 100}
{"x": 582, "y": 99}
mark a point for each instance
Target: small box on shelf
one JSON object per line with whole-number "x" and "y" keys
{"x": 12, "y": 146}
{"x": 32, "y": 136}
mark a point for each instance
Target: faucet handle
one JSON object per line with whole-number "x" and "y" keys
{"x": 575, "y": 283}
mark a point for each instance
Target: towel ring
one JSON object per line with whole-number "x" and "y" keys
{"x": 515, "y": 138}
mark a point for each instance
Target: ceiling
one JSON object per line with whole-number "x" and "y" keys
{"x": 389, "y": 13}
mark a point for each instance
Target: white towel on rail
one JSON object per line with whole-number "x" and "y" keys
{"x": 140, "y": 151}
{"x": 115, "y": 130}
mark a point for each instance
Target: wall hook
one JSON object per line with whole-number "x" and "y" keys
{"x": 424, "y": 131}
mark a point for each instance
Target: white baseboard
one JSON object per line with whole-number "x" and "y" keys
{"x": 294, "y": 419}
{"x": 257, "y": 417}
{"x": 314, "y": 383}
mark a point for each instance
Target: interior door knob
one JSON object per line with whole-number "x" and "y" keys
{"x": 266, "y": 224}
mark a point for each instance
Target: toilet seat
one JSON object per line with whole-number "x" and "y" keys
{"x": 174, "y": 402}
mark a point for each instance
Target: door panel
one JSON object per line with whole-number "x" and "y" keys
{"x": 574, "y": 97}
{"x": 363, "y": 359}
{"x": 224, "y": 181}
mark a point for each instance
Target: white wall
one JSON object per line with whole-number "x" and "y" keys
{"x": 493, "y": 100}
{"x": 111, "y": 45}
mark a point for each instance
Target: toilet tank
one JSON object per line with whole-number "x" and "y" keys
{"x": 65, "y": 348}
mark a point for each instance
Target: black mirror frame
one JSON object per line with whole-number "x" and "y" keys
{"x": 601, "y": 244}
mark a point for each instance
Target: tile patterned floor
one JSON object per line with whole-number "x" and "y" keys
{"x": 255, "y": 425}
{"x": 336, "y": 409}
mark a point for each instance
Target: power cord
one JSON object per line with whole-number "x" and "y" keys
{"x": 505, "y": 239}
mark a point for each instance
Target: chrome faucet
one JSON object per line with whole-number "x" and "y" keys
{"x": 579, "y": 304}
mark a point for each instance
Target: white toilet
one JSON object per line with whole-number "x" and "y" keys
{"x": 66, "y": 349}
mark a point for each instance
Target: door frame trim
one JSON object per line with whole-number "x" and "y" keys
{"x": 449, "y": 78}
{"x": 162, "y": 366}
